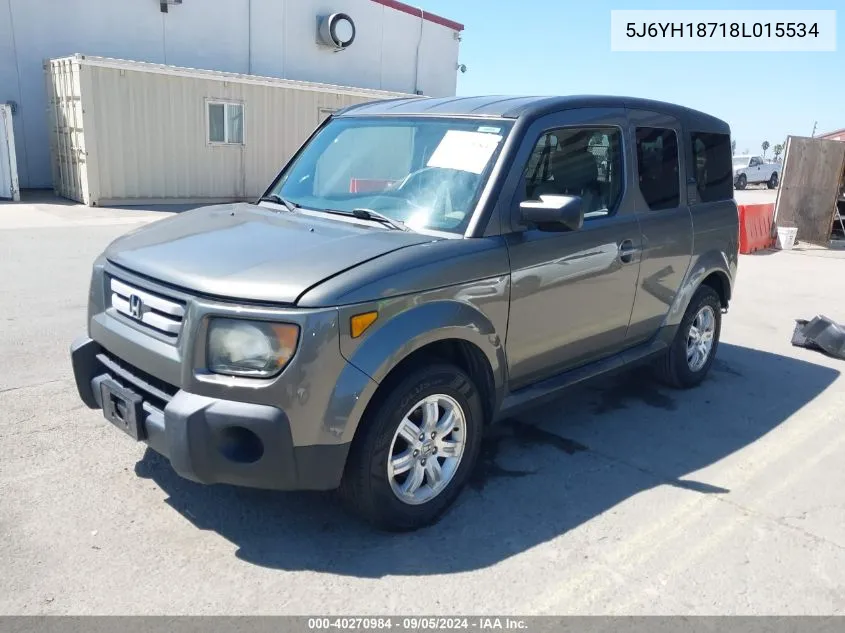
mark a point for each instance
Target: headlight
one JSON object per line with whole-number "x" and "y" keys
{"x": 250, "y": 348}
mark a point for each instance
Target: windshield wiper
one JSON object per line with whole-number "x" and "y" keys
{"x": 274, "y": 197}
{"x": 369, "y": 214}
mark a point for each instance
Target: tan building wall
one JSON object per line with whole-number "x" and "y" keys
{"x": 130, "y": 131}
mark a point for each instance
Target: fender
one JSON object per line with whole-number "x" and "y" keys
{"x": 717, "y": 261}
{"x": 350, "y": 397}
{"x": 411, "y": 329}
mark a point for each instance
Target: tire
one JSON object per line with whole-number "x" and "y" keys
{"x": 369, "y": 491}
{"x": 741, "y": 182}
{"x": 675, "y": 369}
{"x": 773, "y": 181}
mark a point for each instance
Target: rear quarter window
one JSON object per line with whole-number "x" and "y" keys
{"x": 712, "y": 162}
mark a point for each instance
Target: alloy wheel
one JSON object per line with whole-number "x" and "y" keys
{"x": 700, "y": 338}
{"x": 426, "y": 449}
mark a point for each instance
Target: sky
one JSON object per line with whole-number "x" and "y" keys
{"x": 563, "y": 47}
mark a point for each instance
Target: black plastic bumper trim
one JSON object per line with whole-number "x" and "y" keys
{"x": 83, "y": 355}
{"x": 129, "y": 377}
{"x": 191, "y": 431}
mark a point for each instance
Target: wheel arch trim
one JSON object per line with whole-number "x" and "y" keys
{"x": 409, "y": 331}
{"x": 708, "y": 264}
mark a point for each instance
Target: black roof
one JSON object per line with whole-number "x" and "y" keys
{"x": 515, "y": 107}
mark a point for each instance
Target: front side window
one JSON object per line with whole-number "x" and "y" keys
{"x": 713, "y": 170}
{"x": 658, "y": 167}
{"x": 585, "y": 162}
{"x": 225, "y": 123}
{"x": 424, "y": 172}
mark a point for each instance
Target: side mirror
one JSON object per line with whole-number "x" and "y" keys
{"x": 551, "y": 213}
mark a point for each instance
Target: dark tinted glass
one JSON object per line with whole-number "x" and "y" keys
{"x": 712, "y": 163}
{"x": 658, "y": 167}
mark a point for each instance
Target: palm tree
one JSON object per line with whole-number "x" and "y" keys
{"x": 778, "y": 150}
{"x": 765, "y": 146}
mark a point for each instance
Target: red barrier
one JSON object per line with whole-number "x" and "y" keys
{"x": 756, "y": 223}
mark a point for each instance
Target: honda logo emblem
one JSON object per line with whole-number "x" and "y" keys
{"x": 136, "y": 307}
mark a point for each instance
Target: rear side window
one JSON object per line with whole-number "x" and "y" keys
{"x": 658, "y": 167}
{"x": 712, "y": 159}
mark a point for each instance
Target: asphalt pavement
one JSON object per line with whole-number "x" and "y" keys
{"x": 622, "y": 497}
{"x": 756, "y": 194}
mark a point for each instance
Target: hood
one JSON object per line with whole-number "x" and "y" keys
{"x": 249, "y": 252}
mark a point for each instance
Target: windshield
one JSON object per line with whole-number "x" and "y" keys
{"x": 424, "y": 172}
{"x": 741, "y": 162}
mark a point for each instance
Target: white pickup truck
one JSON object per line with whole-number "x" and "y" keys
{"x": 750, "y": 170}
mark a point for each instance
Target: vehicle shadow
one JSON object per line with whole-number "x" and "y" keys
{"x": 539, "y": 476}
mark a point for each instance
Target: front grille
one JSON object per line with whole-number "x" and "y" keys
{"x": 156, "y": 392}
{"x": 161, "y": 314}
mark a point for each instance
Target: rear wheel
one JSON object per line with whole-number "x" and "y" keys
{"x": 741, "y": 182}
{"x": 773, "y": 181}
{"x": 692, "y": 352}
{"x": 416, "y": 449}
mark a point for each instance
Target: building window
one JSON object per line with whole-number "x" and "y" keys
{"x": 225, "y": 123}
{"x": 585, "y": 162}
{"x": 658, "y": 167}
{"x": 713, "y": 169}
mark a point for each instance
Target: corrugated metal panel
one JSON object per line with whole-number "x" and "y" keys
{"x": 147, "y": 131}
{"x": 67, "y": 137}
{"x": 199, "y": 73}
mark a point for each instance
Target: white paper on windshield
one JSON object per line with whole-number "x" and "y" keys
{"x": 466, "y": 151}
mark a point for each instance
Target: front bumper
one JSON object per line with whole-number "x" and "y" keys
{"x": 211, "y": 440}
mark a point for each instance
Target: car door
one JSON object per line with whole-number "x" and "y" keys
{"x": 664, "y": 217}
{"x": 755, "y": 170}
{"x": 766, "y": 170}
{"x": 572, "y": 291}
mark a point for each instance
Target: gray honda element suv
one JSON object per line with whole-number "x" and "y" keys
{"x": 420, "y": 269}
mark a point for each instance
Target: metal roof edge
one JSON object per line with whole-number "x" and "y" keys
{"x": 219, "y": 75}
{"x": 420, "y": 13}
{"x": 833, "y": 133}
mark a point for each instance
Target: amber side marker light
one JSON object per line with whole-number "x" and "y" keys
{"x": 360, "y": 323}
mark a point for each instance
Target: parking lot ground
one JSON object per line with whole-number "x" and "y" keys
{"x": 756, "y": 195}
{"x": 620, "y": 498}
{"x": 41, "y": 209}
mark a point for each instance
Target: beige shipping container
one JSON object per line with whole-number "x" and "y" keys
{"x": 125, "y": 132}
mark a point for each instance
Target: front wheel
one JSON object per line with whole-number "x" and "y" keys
{"x": 415, "y": 450}
{"x": 773, "y": 181}
{"x": 741, "y": 182}
{"x": 692, "y": 351}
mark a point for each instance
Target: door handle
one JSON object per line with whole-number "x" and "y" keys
{"x": 627, "y": 250}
